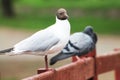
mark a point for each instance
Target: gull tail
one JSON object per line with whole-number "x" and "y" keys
{"x": 60, "y": 56}
{"x": 6, "y": 50}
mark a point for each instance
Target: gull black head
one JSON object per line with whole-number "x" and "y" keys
{"x": 88, "y": 30}
{"x": 62, "y": 14}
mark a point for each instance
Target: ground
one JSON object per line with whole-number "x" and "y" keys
{"x": 18, "y": 67}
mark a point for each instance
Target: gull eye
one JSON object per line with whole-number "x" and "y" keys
{"x": 61, "y": 13}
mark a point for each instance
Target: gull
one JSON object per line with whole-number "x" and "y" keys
{"x": 80, "y": 44}
{"x": 47, "y": 41}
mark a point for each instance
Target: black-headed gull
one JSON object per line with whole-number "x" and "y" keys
{"x": 80, "y": 43}
{"x": 47, "y": 41}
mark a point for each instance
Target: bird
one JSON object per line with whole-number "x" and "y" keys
{"x": 80, "y": 44}
{"x": 47, "y": 41}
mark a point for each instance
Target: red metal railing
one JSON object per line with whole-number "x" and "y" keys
{"x": 88, "y": 70}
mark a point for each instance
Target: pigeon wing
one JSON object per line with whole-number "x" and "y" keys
{"x": 79, "y": 43}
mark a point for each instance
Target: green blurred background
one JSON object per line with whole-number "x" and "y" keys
{"x": 33, "y": 15}
{"x": 104, "y": 15}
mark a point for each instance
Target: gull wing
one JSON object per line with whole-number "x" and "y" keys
{"x": 40, "y": 41}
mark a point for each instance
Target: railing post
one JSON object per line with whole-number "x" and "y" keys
{"x": 117, "y": 74}
{"x": 93, "y": 54}
{"x": 90, "y": 54}
{"x": 117, "y": 70}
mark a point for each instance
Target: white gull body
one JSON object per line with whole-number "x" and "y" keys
{"x": 50, "y": 40}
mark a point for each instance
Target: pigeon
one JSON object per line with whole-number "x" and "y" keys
{"x": 80, "y": 44}
{"x": 47, "y": 41}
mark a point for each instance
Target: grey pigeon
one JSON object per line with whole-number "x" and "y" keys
{"x": 80, "y": 44}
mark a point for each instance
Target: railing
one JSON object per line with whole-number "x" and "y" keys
{"x": 84, "y": 70}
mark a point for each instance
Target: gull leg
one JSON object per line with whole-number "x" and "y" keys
{"x": 46, "y": 65}
{"x": 41, "y": 70}
{"x": 46, "y": 62}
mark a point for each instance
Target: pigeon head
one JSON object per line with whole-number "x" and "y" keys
{"x": 88, "y": 30}
{"x": 62, "y": 14}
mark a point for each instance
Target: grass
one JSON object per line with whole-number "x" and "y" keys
{"x": 30, "y": 16}
{"x": 36, "y": 22}
{"x": 101, "y": 25}
{"x": 88, "y": 4}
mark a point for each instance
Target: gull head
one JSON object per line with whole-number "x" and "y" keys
{"x": 62, "y": 14}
